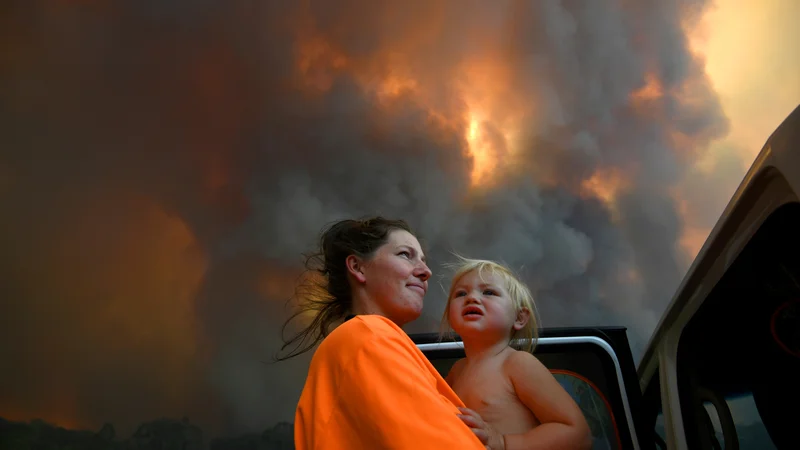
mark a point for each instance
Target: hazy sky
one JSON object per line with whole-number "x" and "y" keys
{"x": 163, "y": 165}
{"x": 747, "y": 46}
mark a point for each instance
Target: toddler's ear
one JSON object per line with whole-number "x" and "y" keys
{"x": 523, "y": 316}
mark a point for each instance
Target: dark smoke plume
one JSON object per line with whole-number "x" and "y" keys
{"x": 163, "y": 165}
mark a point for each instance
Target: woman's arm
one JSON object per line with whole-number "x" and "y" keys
{"x": 390, "y": 400}
{"x": 562, "y": 423}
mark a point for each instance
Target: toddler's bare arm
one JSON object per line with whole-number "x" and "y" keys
{"x": 562, "y": 423}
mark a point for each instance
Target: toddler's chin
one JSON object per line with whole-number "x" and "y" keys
{"x": 464, "y": 328}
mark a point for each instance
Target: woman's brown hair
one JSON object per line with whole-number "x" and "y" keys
{"x": 325, "y": 287}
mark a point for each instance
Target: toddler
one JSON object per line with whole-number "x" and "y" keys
{"x": 513, "y": 401}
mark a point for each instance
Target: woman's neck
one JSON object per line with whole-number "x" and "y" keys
{"x": 362, "y": 305}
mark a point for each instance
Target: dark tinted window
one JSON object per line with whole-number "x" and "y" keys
{"x": 738, "y": 365}
{"x": 653, "y": 415}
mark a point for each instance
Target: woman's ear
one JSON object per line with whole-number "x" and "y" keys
{"x": 355, "y": 266}
{"x": 523, "y": 316}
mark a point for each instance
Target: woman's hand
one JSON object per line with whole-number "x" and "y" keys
{"x": 485, "y": 432}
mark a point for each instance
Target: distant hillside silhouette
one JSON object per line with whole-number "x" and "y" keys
{"x": 160, "y": 434}
{"x": 171, "y": 434}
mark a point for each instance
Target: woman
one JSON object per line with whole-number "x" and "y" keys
{"x": 368, "y": 385}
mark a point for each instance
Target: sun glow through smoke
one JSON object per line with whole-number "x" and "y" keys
{"x": 158, "y": 195}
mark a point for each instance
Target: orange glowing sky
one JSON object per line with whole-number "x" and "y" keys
{"x": 751, "y": 59}
{"x": 748, "y": 59}
{"x": 750, "y": 49}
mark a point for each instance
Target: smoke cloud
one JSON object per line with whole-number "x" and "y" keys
{"x": 163, "y": 165}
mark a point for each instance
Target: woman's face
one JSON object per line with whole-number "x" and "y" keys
{"x": 395, "y": 279}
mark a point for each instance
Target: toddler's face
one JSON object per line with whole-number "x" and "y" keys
{"x": 481, "y": 305}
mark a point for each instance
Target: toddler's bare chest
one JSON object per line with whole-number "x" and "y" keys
{"x": 492, "y": 396}
{"x": 484, "y": 389}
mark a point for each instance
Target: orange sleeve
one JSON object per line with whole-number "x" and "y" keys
{"x": 389, "y": 399}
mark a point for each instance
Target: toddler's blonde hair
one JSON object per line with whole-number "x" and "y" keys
{"x": 519, "y": 293}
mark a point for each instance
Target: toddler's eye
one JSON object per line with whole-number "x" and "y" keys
{"x": 490, "y": 292}
{"x": 460, "y": 293}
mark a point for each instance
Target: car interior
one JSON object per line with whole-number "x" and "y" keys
{"x": 742, "y": 347}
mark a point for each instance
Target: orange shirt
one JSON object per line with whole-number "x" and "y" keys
{"x": 369, "y": 387}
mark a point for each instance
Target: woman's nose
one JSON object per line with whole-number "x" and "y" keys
{"x": 423, "y": 272}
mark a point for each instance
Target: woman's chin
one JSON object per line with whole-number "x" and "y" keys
{"x": 415, "y": 306}
{"x": 409, "y": 313}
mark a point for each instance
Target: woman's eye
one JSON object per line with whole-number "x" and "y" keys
{"x": 406, "y": 254}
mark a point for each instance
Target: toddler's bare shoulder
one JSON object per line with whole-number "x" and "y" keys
{"x": 455, "y": 370}
{"x": 520, "y": 362}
